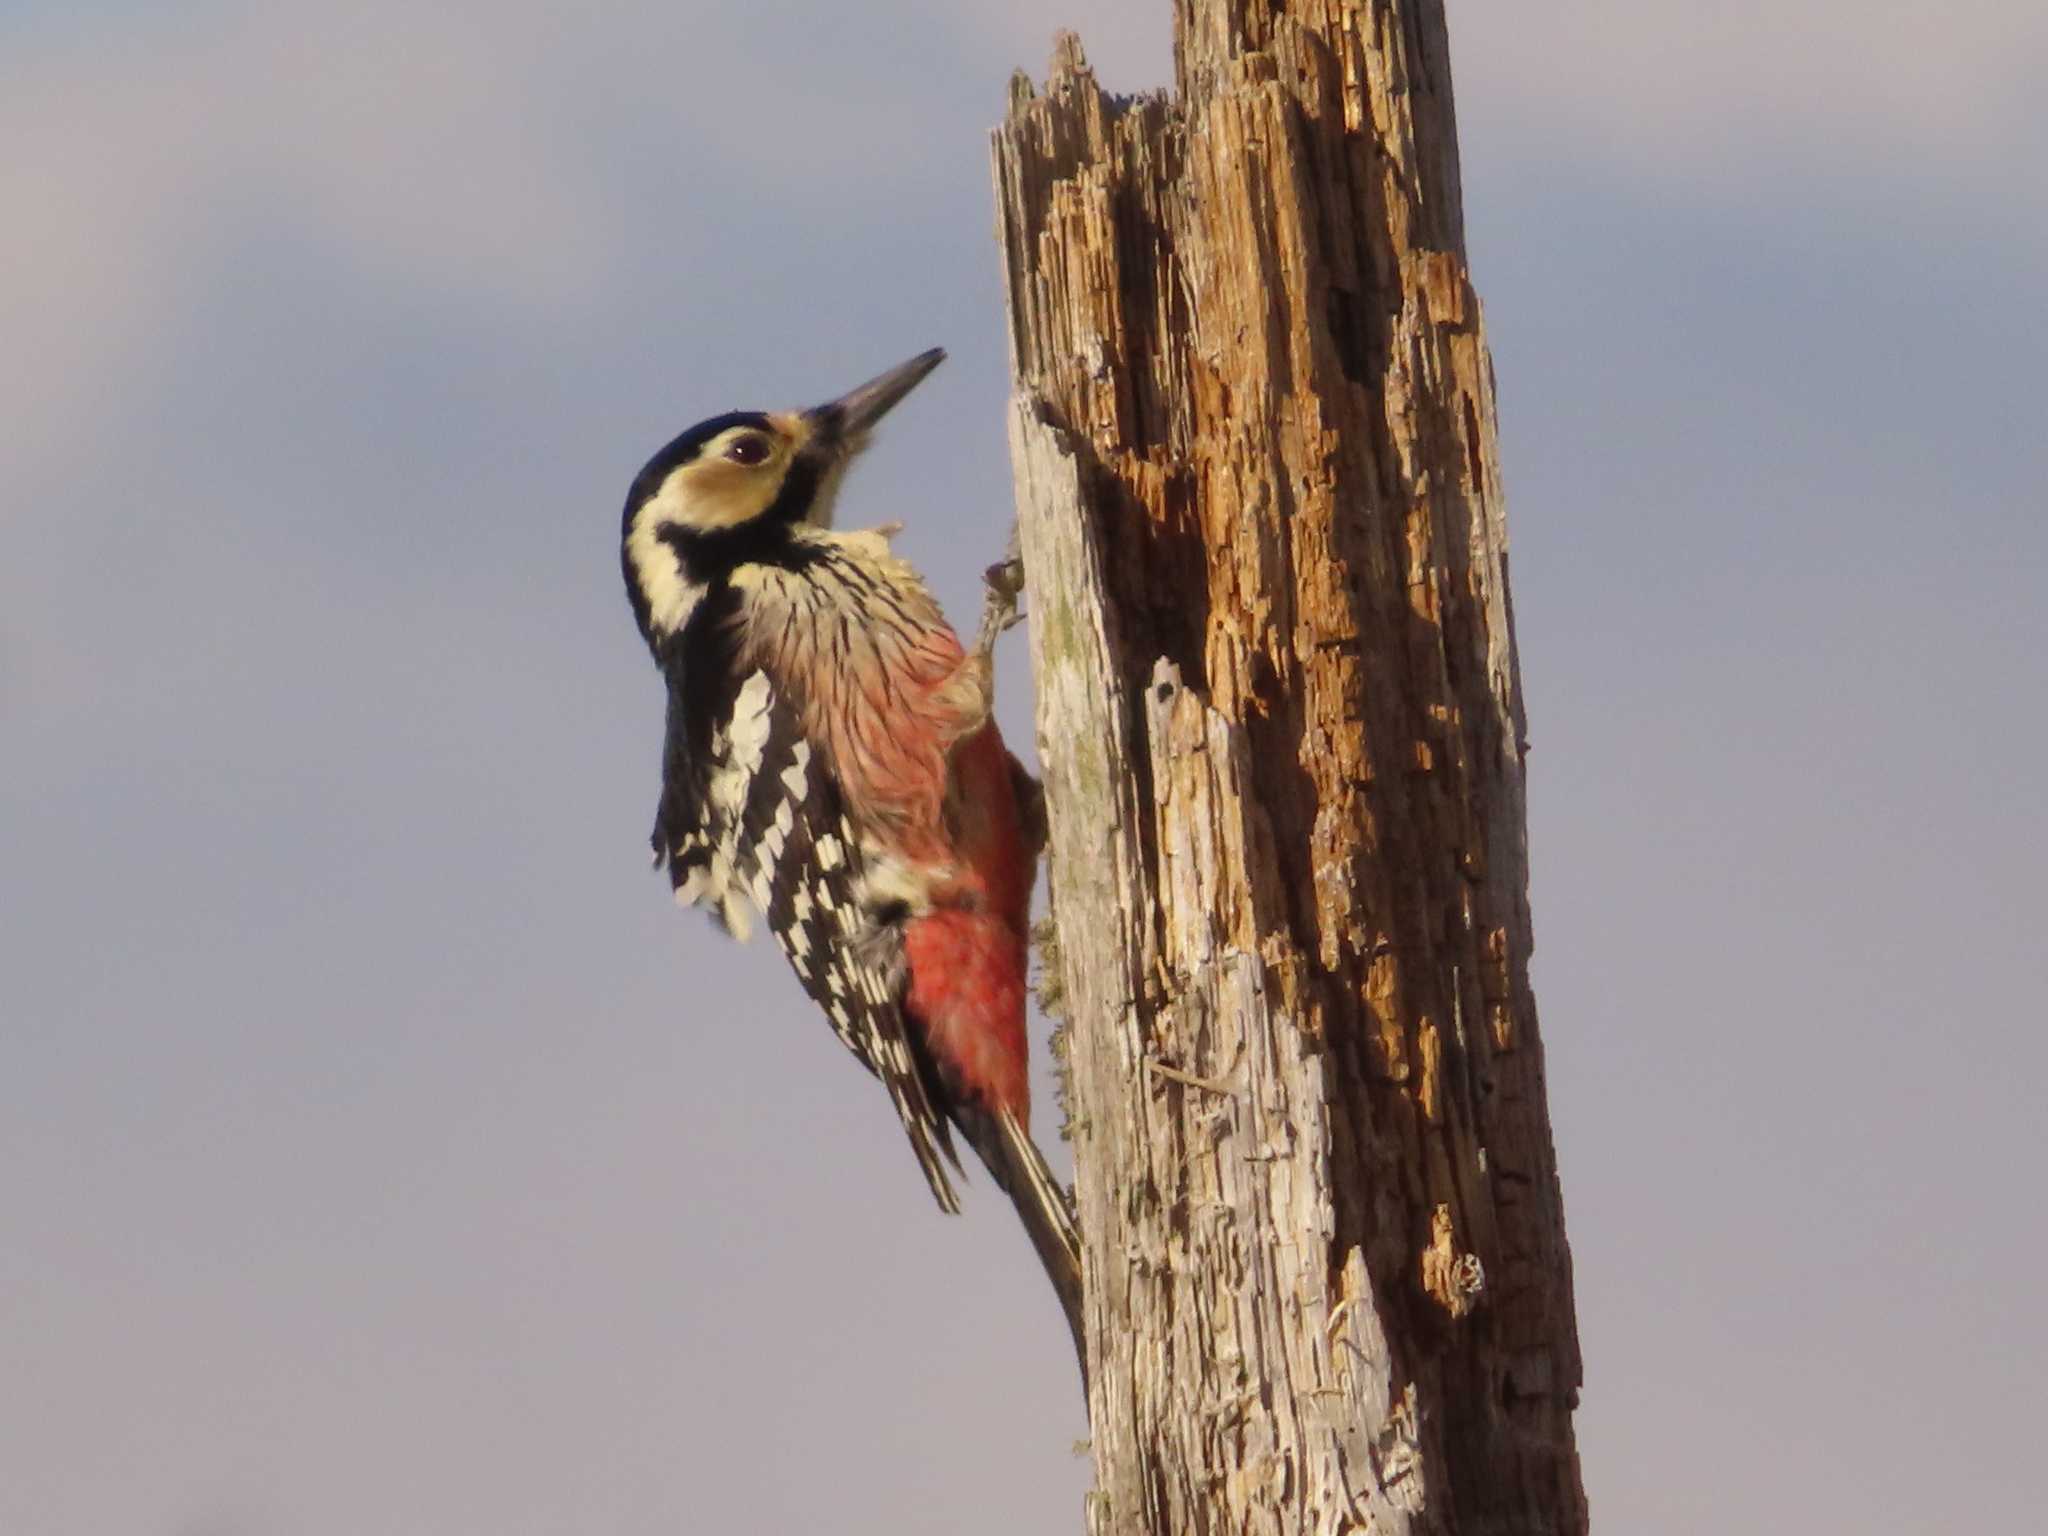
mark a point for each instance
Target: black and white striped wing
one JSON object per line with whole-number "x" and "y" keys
{"x": 752, "y": 820}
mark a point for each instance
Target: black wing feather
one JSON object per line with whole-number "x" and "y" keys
{"x": 752, "y": 816}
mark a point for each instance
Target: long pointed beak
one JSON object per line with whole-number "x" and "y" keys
{"x": 848, "y": 419}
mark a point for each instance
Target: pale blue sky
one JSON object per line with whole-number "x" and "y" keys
{"x": 381, "y": 1152}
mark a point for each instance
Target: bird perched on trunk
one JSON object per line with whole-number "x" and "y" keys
{"x": 831, "y": 765}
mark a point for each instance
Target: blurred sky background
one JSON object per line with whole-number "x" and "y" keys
{"x": 380, "y": 1152}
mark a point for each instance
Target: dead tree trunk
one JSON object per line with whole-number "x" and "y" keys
{"x": 1280, "y": 719}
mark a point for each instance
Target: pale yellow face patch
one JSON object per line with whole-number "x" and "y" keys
{"x": 719, "y": 488}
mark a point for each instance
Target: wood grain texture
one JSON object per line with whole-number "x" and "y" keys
{"x": 1280, "y": 720}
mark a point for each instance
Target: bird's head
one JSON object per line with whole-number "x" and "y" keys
{"x": 729, "y": 488}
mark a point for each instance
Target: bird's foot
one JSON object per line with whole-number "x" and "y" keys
{"x": 1005, "y": 583}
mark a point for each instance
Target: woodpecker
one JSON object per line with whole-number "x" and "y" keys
{"x": 831, "y": 766}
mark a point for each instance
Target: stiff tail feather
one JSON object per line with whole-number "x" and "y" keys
{"x": 1020, "y": 1170}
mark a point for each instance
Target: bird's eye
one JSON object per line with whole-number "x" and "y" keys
{"x": 748, "y": 450}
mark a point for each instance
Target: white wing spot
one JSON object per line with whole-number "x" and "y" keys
{"x": 750, "y": 720}
{"x": 732, "y": 909}
{"x": 739, "y": 922}
{"x": 795, "y": 777}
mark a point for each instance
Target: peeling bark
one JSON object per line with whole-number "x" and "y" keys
{"x": 1280, "y": 721}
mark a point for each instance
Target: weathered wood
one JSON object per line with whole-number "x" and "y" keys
{"x": 1280, "y": 721}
